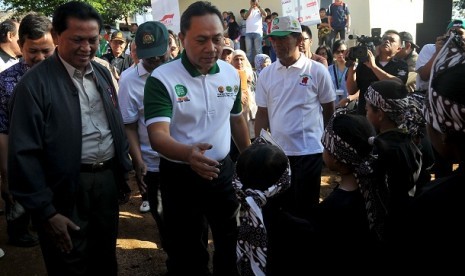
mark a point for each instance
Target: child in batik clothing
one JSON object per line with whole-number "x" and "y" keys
{"x": 262, "y": 171}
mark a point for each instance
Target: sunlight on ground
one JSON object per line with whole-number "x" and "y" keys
{"x": 128, "y": 215}
{"x": 133, "y": 244}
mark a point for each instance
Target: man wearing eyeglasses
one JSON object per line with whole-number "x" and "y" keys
{"x": 383, "y": 66}
{"x": 295, "y": 98}
{"x": 151, "y": 40}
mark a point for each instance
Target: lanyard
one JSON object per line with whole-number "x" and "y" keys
{"x": 336, "y": 75}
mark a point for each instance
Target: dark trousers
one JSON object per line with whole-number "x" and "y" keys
{"x": 18, "y": 227}
{"x": 333, "y": 35}
{"x": 190, "y": 205}
{"x": 96, "y": 212}
{"x": 152, "y": 179}
{"x": 304, "y": 192}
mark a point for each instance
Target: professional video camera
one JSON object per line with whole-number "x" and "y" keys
{"x": 364, "y": 43}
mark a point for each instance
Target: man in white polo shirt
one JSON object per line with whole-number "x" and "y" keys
{"x": 192, "y": 107}
{"x": 295, "y": 98}
{"x": 151, "y": 41}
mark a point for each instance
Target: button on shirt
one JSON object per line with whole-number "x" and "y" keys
{"x": 97, "y": 141}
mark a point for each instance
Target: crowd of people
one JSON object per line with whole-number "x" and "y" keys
{"x": 227, "y": 126}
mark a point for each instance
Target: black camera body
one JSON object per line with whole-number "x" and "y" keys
{"x": 364, "y": 43}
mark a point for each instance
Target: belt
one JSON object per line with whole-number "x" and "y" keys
{"x": 97, "y": 167}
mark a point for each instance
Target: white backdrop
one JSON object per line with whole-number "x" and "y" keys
{"x": 307, "y": 11}
{"x": 167, "y": 12}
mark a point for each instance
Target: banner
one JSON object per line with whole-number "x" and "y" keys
{"x": 307, "y": 11}
{"x": 167, "y": 12}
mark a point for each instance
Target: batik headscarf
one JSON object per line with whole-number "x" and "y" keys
{"x": 415, "y": 121}
{"x": 375, "y": 196}
{"x": 443, "y": 114}
{"x": 252, "y": 242}
{"x": 395, "y": 109}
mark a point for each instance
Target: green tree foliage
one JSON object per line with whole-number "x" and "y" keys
{"x": 110, "y": 10}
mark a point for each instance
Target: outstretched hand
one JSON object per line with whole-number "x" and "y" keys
{"x": 202, "y": 165}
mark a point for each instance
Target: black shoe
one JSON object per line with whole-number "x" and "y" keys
{"x": 26, "y": 240}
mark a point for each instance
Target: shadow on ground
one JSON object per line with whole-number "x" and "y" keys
{"x": 138, "y": 245}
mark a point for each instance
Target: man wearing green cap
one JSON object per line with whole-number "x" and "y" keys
{"x": 151, "y": 40}
{"x": 295, "y": 98}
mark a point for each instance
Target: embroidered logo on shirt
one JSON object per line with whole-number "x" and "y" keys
{"x": 181, "y": 92}
{"x": 304, "y": 79}
{"x": 227, "y": 91}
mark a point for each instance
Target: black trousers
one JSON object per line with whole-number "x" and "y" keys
{"x": 190, "y": 205}
{"x": 304, "y": 193}
{"x": 96, "y": 212}
{"x": 152, "y": 179}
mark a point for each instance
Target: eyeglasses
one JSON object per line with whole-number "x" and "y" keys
{"x": 339, "y": 52}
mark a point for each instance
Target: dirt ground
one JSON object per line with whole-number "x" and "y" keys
{"x": 138, "y": 245}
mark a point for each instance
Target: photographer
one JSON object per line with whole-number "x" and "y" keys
{"x": 382, "y": 67}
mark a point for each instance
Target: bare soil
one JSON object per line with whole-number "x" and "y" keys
{"x": 138, "y": 245}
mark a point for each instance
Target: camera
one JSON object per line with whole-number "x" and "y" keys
{"x": 364, "y": 43}
{"x": 457, "y": 38}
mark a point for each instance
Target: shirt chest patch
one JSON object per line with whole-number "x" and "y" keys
{"x": 181, "y": 93}
{"x": 305, "y": 80}
{"x": 227, "y": 91}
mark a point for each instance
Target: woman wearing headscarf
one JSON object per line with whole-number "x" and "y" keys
{"x": 261, "y": 61}
{"x": 248, "y": 82}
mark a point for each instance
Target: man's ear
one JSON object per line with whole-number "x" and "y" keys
{"x": 181, "y": 38}
{"x": 10, "y": 36}
{"x": 55, "y": 37}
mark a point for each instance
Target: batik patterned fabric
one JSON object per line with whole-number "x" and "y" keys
{"x": 415, "y": 121}
{"x": 375, "y": 196}
{"x": 8, "y": 80}
{"x": 443, "y": 114}
{"x": 394, "y": 108}
{"x": 252, "y": 242}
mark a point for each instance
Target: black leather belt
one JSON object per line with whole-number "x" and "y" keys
{"x": 97, "y": 167}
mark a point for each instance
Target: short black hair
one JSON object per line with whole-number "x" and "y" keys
{"x": 390, "y": 89}
{"x": 33, "y": 26}
{"x": 355, "y": 130}
{"x": 307, "y": 30}
{"x": 260, "y": 166}
{"x": 7, "y": 26}
{"x": 198, "y": 8}
{"x": 74, "y": 9}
